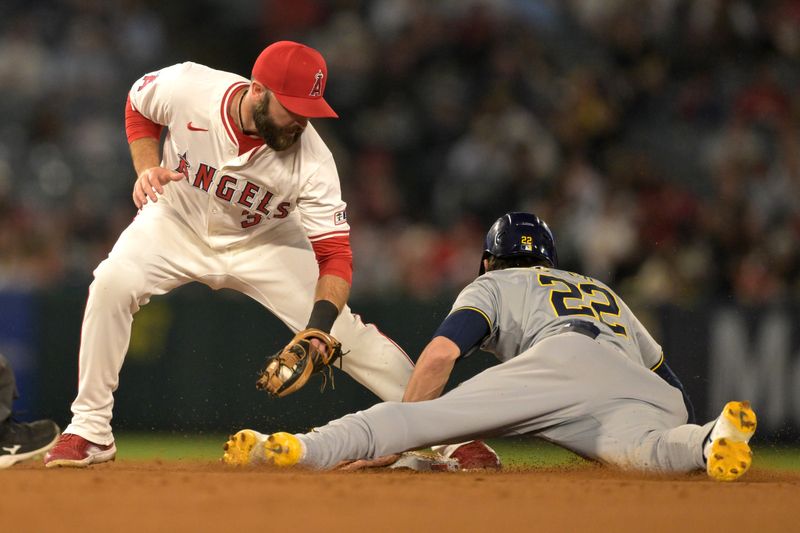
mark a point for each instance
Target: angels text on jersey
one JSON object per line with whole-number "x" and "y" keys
{"x": 256, "y": 203}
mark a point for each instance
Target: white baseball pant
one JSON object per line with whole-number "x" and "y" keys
{"x": 159, "y": 252}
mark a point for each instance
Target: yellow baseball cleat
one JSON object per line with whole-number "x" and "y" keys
{"x": 728, "y": 452}
{"x": 249, "y": 447}
{"x": 283, "y": 449}
{"x": 242, "y": 448}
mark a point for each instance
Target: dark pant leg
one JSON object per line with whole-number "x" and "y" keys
{"x": 8, "y": 389}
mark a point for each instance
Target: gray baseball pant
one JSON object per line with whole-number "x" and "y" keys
{"x": 570, "y": 389}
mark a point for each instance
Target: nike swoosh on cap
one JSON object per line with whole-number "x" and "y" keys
{"x": 194, "y": 128}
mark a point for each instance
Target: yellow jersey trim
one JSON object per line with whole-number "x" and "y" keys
{"x": 660, "y": 362}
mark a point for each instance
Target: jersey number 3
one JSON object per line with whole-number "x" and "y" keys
{"x": 583, "y": 299}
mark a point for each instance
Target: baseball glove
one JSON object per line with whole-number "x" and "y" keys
{"x": 289, "y": 369}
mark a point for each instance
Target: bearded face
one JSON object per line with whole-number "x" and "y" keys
{"x": 278, "y": 138}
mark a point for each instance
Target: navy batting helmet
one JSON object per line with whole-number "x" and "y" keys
{"x": 520, "y": 235}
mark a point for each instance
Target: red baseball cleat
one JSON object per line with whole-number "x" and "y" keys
{"x": 75, "y": 451}
{"x": 473, "y": 455}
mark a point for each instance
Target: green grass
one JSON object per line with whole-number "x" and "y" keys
{"x": 142, "y": 446}
{"x": 514, "y": 452}
{"x": 776, "y": 458}
{"x": 532, "y": 453}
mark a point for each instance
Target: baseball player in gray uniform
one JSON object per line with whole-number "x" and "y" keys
{"x": 577, "y": 369}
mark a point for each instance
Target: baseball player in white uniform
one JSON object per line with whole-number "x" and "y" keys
{"x": 577, "y": 369}
{"x": 245, "y": 195}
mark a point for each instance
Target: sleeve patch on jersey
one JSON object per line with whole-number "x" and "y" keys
{"x": 147, "y": 80}
{"x": 340, "y": 217}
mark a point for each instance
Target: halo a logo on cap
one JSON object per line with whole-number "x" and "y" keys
{"x": 316, "y": 89}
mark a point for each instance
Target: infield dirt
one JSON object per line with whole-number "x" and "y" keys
{"x": 177, "y": 496}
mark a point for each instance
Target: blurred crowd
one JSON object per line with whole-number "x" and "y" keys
{"x": 659, "y": 138}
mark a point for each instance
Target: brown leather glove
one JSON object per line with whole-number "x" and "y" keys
{"x": 290, "y": 369}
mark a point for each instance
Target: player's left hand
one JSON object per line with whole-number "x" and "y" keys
{"x": 311, "y": 350}
{"x": 321, "y": 346}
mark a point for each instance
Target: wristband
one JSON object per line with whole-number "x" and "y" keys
{"x": 323, "y": 315}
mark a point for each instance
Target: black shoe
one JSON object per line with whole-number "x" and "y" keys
{"x": 20, "y": 441}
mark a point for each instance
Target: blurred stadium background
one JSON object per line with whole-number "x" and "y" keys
{"x": 659, "y": 138}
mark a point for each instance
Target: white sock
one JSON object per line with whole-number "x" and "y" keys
{"x": 724, "y": 428}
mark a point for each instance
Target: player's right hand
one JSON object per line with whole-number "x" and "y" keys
{"x": 152, "y": 181}
{"x": 363, "y": 464}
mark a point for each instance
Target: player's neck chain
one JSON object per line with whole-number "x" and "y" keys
{"x": 241, "y": 122}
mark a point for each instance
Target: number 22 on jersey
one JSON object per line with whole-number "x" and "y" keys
{"x": 583, "y": 299}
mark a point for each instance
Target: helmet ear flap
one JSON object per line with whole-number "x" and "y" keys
{"x": 484, "y": 257}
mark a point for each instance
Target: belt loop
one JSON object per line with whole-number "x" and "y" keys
{"x": 583, "y": 327}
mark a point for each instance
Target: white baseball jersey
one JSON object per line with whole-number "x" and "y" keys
{"x": 228, "y": 197}
{"x": 245, "y": 218}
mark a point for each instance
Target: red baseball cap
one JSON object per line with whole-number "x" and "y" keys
{"x": 296, "y": 75}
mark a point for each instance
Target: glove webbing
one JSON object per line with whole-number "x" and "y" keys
{"x": 327, "y": 374}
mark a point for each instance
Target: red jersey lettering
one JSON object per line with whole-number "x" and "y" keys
{"x": 250, "y": 190}
{"x": 204, "y": 177}
{"x": 283, "y": 210}
{"x": 223, "y": 190}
